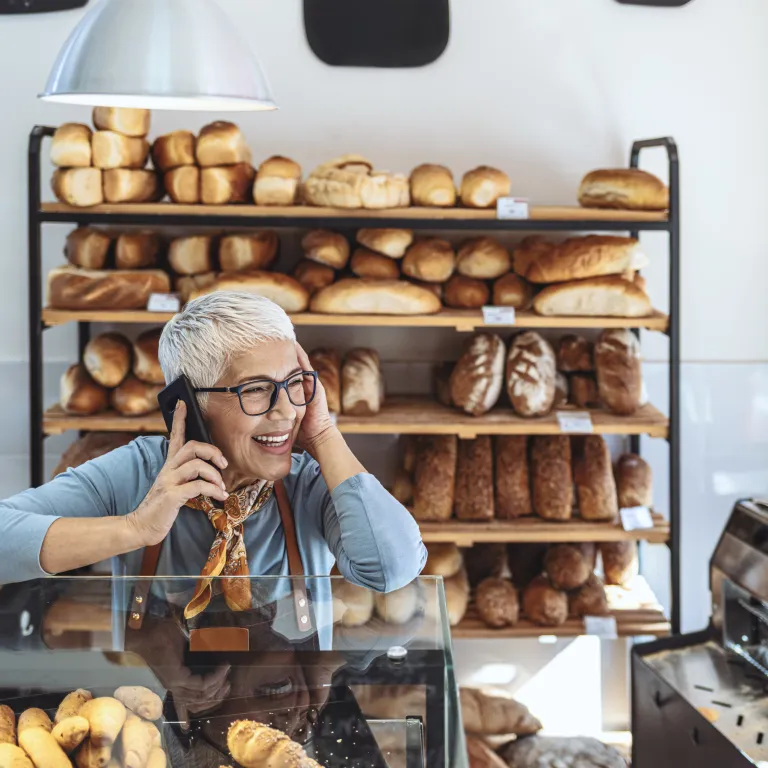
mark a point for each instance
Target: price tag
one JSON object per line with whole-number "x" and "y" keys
{"x": 601, "y": 626}
{"x": 512, "y": 208}
{"x": 575, "y": 422}
{"x": 499, "y": 315}
{"x": 163, "y": 302}
{"x": 636, "y": 518}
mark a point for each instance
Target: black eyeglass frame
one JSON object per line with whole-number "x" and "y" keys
{"x": 278, "y": 385}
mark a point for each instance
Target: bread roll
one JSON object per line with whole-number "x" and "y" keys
{"x": 107, "y": 358}
{"x": 226, "y": 184}
{"x": 575, "y": 353}
{"x": 474, "y": 480}
{"x": 135, "y": 744}
{"x": 589, "y": 599}
{"x": 529, "y": 250}
{"x": 544, "y": 605}
{"x": 634, "y": 481}
{"x": 442, "y": 384}
{"x": 352, "y": 604}
{"x": 141, "y": 701}
{"x": 619, "y": 371}
{"x": 385, "y": 190}
{"x": 253, "y": 744}
{"x": 483, "y": 258}
{"x": 456, "y": 597}
{"x": 496, "y": 602}
{"x": 435, "y": 476}
{"x": 485, "y": 561}
{"x": 430, "y": 259}
{"x": 551, "y": 477}
{"x": 466, "y": 293}
{"x": 583, "y": 391}
{"x": 286, "y": 292}
{"x": 126, "y": 120}
{"x": 313, "y": 276}
{"x": 512, "y": 291}
{"x": 238, "y": 253}
{"x": 373, "y": 266}
{"x": 7, "y": 726}
{"x": 483, "y": 186}
{"x": 221, "y": 143}
{"x": 129, "y": 185}
{"x": 78, "y": 187}
{"x": 34, "y": 718}
{"x": 432, "y": 186}
{"x": 327, "y": 248}
{"x": 375, "y": 297}
{"x": 388, "y": 242}
{"x": 135, "y": 398}
{"x": 491, "y": 712}
{"x": 531, "y": 374}
{"x": 620, "y": 562}
{"x": 88, "y": 248}
{"x": 80, "y": 394}
{"x": 397, "y": 607}
{"x": 526, "y": 562}
{"x": 569, "y": 565}
{"x": 183, "y": 184}
{"x": 477, "y": 378}
{"x": 136, "y": 250}
{"x": 481, "y": 755}
{"x": 328, "y": 366}
{"x": 113, "y": 150}
{"x": 277, "y": 182}
{"x": 361, "y": 383}
{"x": 624, "y": 188}
{"x": 70, "y": 732}
{"x": 42, "y": 748}
{"x": 90, "y": 446}
{"x": 72, "y": 288}
{"x": 174, "y": 150}
{"x": 442, "y": 560}
{"x": 402, "y": 487}
{"x": 12, "y": 756}
{"x": 71, "y": 146}
{"x": 188, "y": 284}
{"x": 609, "y": 296}
{"x": 593, "y": 475}
{"x": 191, "y": 255}
{"x": 146, "y": 365}
{"x": 513, "y": 489}
{"x": 91, "y": 756}
{"x": 106, "y": 716}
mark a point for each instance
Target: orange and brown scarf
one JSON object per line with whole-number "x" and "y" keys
{"x": 228, "y": 556}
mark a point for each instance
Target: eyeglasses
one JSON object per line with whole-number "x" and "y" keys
{"x": 260, "y": 396}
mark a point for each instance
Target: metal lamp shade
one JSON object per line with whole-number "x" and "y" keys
{"x": 158, "y": 54}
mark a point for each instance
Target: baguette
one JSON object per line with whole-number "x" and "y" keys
{"x": 286, "y": 292}
{"x": 610, "y": 296}
{"x": 375, "y": 297}
{"x": 126, "y": 120}
{"x": 71, "y": 146}
{"x": 78, "y": 187}
{"x": 113, "y": 150}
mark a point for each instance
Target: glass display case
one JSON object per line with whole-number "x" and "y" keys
{"x": 357, "y": 679}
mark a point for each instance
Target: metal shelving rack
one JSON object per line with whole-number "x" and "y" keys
{"x": 541, "y": 220}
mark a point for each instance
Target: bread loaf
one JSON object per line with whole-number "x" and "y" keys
{"x": 583, "y": 391}
{"x": 388, "y": 242}
{"x": 226, "y": 184}
{"x": 551, "y": 477}
{"x": 69, "y": 733}
{"x": 71, "y": 146}
{"x": 188, "y": 284}
{"x": 402, "y": 487}
{"x": 593, "y": 475}
{"x": 619, "y": 371}
{"x": 91, "y": 446}
{"x": 477, "y": 378}
{"x": 135, "y": 398}
{"x": 78, "y": 187}
{"x": 497, "y": 603}
{"x": 434, "y": 288}
{"x": 385, "y": 190}
{"x": 568, "y": 566}
{"x": 113, "y": 150}
{"x": 530, "y": 374}
{"x": 12, "y": 756}
{"x": 484, "y": 561}
{"x": 466, "y": 293}
{"x": 429, "y": 259}
{"x": 530, "y": 249}
{"x": 490, "y": 712}
{"x": 88, "y": 248}
{"x": 7, "y": 729}
{"x": 146, "y": 365}
{"x": 634, "y": 481}
{"x": 432, "y": 186}
{"x": 183, "y": 184}
{"x": 136, "y": 250}
{"x": 313, "y": 276}
{"x": 609, "y": 296}
{"x": 34, "y": 718}
{"x": 72, "y": 288}
{"x": 173, "y": 150}
{"x": 544, "y": 605}
{"x": 513, "y": 489}
{"x": 191, "y": 255}
{"x": 398, "y": 607}
{"x": 526, "y": 562}
{"x": 221, "y": 143}
{"x": 512, "y": 291}
{"x": 373, "y": 266}
{"x": 575, "y": 353}
{"x": 435, "y": 476}
{"x": 473, "y": 498}
{"x": 107, "y": 358}
{"x": 375, "y": 297}
{"x": 589, "y": 599}
{"x": 442, "y": 384}
{"x": 328, "y": 366}
{"x": 483, "y": 258}
{"x": 80, "y": 395}
{"x": 286, "y": 292}
{"x": 456, "y": 597}
{"x": 253, "y": 744}
{"x": 620, "y": 562}
{"x": 443, "y": 560}
{"x": 361, "y": 383}
{"x": 126, "y": 120}
{"x": 238, "y": 253}
{"x": 277, "y": 182}
{"x": 42, "y": 748}
{"x": 561, "y": 390}
{"x": 338, "y": 183}
{"x": 130, "y": 185}
{"x": 327, "y": 248}
{"x": 624, "y": 188}
{"x": 483, "y": 186}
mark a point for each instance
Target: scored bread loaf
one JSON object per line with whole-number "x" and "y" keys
{"x": 432, "y": 186}
{"x": 473, "y": 495}
{"x": 435, "y": 476}
{"x": 610, "y": 296}
{"x": 277, "y": 182}
{"x": 442, "y": 560}
{"x": 107, "y": 358}
{"x": 490, "y": 712}
{"x": 327, "y": 363}
{"x": 543, "y": 604}
{"x": 313, "y": 276}
{"x": 634, "y": 481}
{"x": 619, "y": 371}
{"x": 191, "y": 255}
{"x": 71, "y": 146}
{"x": 589, "y": 599}
{"x": 388, "y": 242}
{"x": 252, "y": 745}
{"x": 582, "y": 391}
{"x": 526, "y": 562}
{"x": 238, "y": 253}
{"x": 530, "y": 374}
{"x": 183, "y": 184}
{"x": 286, "y": 292}
{"x": 113, "y": 150}
{"x": 78, "y": 187}
{"x": 136, "y": 250}
{"x": 373, "y": 266}
{"x": 131, "y": 185}
{"x": 146, "y": 362}
{"x": 126, "y": 120}
{"x": 87, "y": 247}
{"x": 465, "y": 293}
{"x": 575, "y": 353}
{"x": 375, "y": 297}
{"x": 593, "y": 476}
{"x": 221, "y": 185}
{"x": 513, "y": 488}
{"x": 624, "y": 188}
{"x": 477, "y": 378}
{"x": 497, "y": 603}
{"x": 483, "y": 186}
{"x": 134, "y": 397}
{"x": 568, "y": 566}
{"x": 221, "y": 143}
{"x": 173, "y": 150}
{"x": 361, "y": 383}
{"x": 327, "y": 248}
{"x": 620, "y": 562}
{"x": 80, "y": 394}
{"x": 430, "y": 259}
{"x": 511, "y": 290}
{"x": 551, "y": 477}
{"x": 483, "y": 258}
{"x": 186, "y": 285}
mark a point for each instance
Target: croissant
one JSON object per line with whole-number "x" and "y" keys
{"x": 254, "y": 745}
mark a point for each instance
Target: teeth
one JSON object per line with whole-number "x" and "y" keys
{"x": 271, "y": 440}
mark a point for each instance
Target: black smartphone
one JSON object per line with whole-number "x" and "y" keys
{"x": 182, "y": 389}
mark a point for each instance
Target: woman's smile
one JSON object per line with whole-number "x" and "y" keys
{"x": 275, "y": 442}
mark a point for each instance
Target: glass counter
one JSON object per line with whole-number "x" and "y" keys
{"x": 358, "y": 679}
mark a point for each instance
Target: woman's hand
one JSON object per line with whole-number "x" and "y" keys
{"x": 185, "y": 475}
{"x": 317, "y": 424}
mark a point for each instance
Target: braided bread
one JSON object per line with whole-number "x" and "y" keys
{"x": 254, "y": 745}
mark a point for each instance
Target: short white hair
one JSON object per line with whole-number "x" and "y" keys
{"x": 201, "y": 340}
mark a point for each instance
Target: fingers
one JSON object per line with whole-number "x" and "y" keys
{"x": 191, "y": 470}
{"x": 203, "y": 488}
{"x": 303, "y": 358}
{"x": 178, "y": 429}
{"x": 196, "y": 450}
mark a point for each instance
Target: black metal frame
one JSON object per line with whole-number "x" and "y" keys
{"x": 222, "y": 220}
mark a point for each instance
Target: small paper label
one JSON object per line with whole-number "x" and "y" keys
{"x": 575, "y": 422}
{"x": 636, "y": 518}
{"x": 499, "y": 315}
{"x": 601, "y": 626}
{"x": 512, "y": 208}
{"x": 163, "y": 302}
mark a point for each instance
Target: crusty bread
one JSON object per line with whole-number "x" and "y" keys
{"x": 146, "y": 362}
{"x": 620, "y": 562}
{"x": 135, "y": 398}
{"x": 135, "y": 250}
{"x": 526, "y": 561}
{"x": 433, "y": 488}
{"x": 530, "y": 249}
{"x": 80, "y": 394}
{"x": 477, "y": 378}
{"x": 465, "y": 293}
{"x": 491, "y": 712}
{"x": 530, "y": 374}
{"x": 483, "y": 258}
{"x": 338, "y": 183}
{"x": 72, "y": 288}
{"x": 221, "y": 143}
{"x": 254, "y": 744}
{"x": 313, "y": 276}
{"x": 497, "y": 603}
{"x": 286, "y": 292}
{"x": 186, "y": 285}
{"x": 277, "y": 182}
{"x": 619, "y": 371}
{"x": 375, "y": 297}
{"x": 543, "y": 604}
{"x": 113, "y": 150}
{"x": 561, "y": 390}
{"x": 373, "y": 266}
{"x": 71, "y": 146}
{"x": 385, "y": 190}
{"x": 511, "y": 290}
{"x": 183, "y": 184}
{"x": 430, "y": 259}
{"x": 582, "y": 390}
{"x": 634, "y": 481}
{"x": 126, "y": 120}
{"x": 361, "y": 383}
{"x": 78, "y": 187}
{"x": 575, "y": 354}
{"x": 329, "y": 248}
{"x": 473, "y": 499}
{"x": 191, "y": 255}
{"x": 513, "y": 487}
{"x": 433, "y": 186}
{"x": 257, "y": 250}
{"x": 568, "y": 566}
{"x": 327, "y": 363}
{"x": 87, "y": 247}
{"x": 551, "y": 477}
{"x": 483, "y": 186}
{"x": 131, "y": 185}
{"x": 107, "y": 358}
{"x": 609, "y": 296}
{"x": 389, "y": 242}
{"x": 226, "y": 184}
{"x": 589, "y": 599}
{"x": 173, "y": 150}
{"x": 625, "y": 188}
{"x": 593, "y": 475}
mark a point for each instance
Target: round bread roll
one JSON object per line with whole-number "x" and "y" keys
{"x": 432, "y": 186}
{"x": 569, "y": 565}
{"x": 375, "y": 297}
{"x": 465, "y": 293}
{"x": 327, "y": 248}
{"x": 589, "y": 599}
{"x": 146, "y": 365}
{"x": 620, "y": 562}
{"x": 511, "y": 290}
{"x": 352, "y": 604}
{"x": 398, "y": 607}
{"x": 497, "y": 603}
{"x": 430, "y": 259}
{"x": 135, "y": 398}
{"x": 483, "y": 186}
{"x": 80, "y": 394}
{"x": 313, "y": 276}
{"x": 277, "y": 182}
{"x": 544, "y": 605}
{"x": 388, "y": 242}
{"x": 286, "y": 292}
{"x": 442, "y": 560}
{"x": 624, "y": 188}
{"x": 483, "y": 258}
{"x": 107, "y": 357}
{"x": 373, "y": 266}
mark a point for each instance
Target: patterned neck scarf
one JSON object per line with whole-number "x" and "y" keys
{"x": 227, "y": 556}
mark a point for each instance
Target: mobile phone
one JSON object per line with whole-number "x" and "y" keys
{"x": 182, "y": 389}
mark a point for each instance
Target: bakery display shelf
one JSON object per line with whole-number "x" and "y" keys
{"x": 534, "y": 529}
{"x": 459, "y": 319}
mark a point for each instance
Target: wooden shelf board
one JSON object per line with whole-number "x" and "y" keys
{"x": 461, "y": 320}
{"x": 400, "y": 415}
